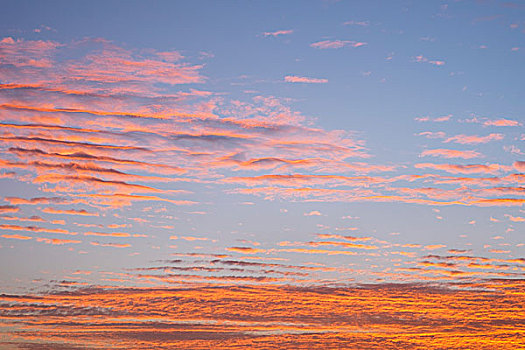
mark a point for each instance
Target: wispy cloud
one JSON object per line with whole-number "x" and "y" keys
{"x": 437, "y": 119}
{"x": 421, "y": 59}
{"x": 450, "y": 153}
{"x": 465, "y": 169}
{"x": 501, "y": 122}
{"x": 357, "y": 23}
{"x": 313, "y": 213}
{"x": 336, "y": 44}
{"x": 474, "y": 139}
{"x": 297, "y": 79}
{"x": 278, "y": 32}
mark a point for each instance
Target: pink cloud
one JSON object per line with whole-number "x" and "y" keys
{"x": 297, "y": 79}
{"x": 443, "y": 118}
{"x": 336, "y": 44}
{"x": 515, "y": 218}
{"x": 421, "y": 59}
{"x": 433, "y": 135}
{"x": 170, "y": 56}
{"x": 438, "y": 119}
{"x": 519, "y": 165}
{"x": 105, "y": 68}
{"x": 357, "y": 23}
{"x": 278, "y": 32}
{"x": 464, "y": 169}
{"x": 501, "y": 122}
{"x": 450, "y": 153}
{"x": 473, "y": 139}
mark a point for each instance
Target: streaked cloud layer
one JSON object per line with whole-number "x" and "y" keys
{"x": 350, "y": 183}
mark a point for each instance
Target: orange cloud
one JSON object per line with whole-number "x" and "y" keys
{"x": 21, "y": 237}
{"x": 36, "y": 229}
{"x": 313, "y": 213}
{"x": 107, "y": 234}
{"x": 56, "y": 241}
{"x": 501, "y": 122}
{"x": 81, "y": 212}
{"x": 434, "y": 246}
{"x": 245, "y": 250}
{"x": 9, "y": 209}
{"x": 341, "y": 244}
{"x": 37, "y": 200}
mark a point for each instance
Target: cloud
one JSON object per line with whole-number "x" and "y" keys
{"x": 501, "y": 122}
{"x": 300, "y": 180}
{"x": 190, "y": 238}
{"x": 39, "y": 141}
{"x": 450, "y": 153}
{"x": 297, "y": 79}
{"x": 421, "y": 58}
{"x": 8, "y": 209}
{"x": 278, "y": 32}
{"x": 36, "y": 229}
{"x": 357, "y": 23}
{"x": 68, "y": 183}
{"x": 20, "y": 237}
{"x": 473, "y": 139}
{"x": 519, "y": 166}
{"x": 81, "y": 212}
{"x": 347, "y": 238}
{"x": 340, "y": 244}
{"x": 336, "y": 44}
{"x": 245, "y": 250}
{"x": 38, "y": 200}
{"x": 433, "y": 135}
{"x": 56, "y": 241}
{"x": 465, "y": 169}
{"x": 438, "y": 119}
{"x": 54, "y": 319}
{"x": 89, "y": 157}
{"x": 114, "y": 245}
{"x": 499, "y": 201}
{"x": 434, "y": 246}
{"x": 107, "y": 234}
{"x": 317, "y": 251}
{"x": 313, "y": 213}
{"x": 515, "y": 218}
{"x": 118, "y": 69}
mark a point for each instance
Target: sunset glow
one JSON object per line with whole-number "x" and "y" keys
{"x": 271, "y": 175}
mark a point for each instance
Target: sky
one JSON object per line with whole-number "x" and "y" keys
{"x": 262, "y": 174}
